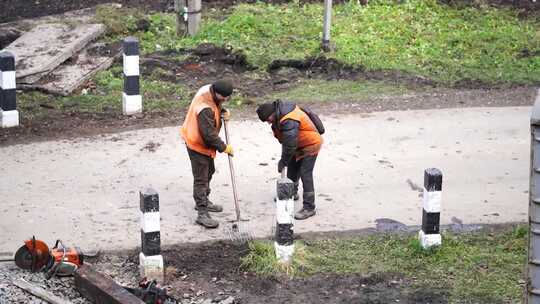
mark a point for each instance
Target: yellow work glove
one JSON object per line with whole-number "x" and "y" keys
{"x": 229, "y": 150}
{"x": 226, "y": 114}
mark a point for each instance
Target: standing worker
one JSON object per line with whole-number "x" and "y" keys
{"x": 200, "y": 131}
{"x": 299, "y": 132}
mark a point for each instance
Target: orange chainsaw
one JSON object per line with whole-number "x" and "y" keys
{"x": 35, "y": 256}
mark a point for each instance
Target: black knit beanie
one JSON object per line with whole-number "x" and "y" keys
{"x": 223, "y": 88}
{"x": 265, "y": 110}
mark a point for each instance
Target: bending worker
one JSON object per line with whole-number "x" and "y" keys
{"x": 300, "y": 144}
{"x": 200, "y": 131}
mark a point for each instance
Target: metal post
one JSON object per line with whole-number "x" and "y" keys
{"x": 533, "y": 266}
{"x": 194, "y": 16}
{"x": 327, "y": 25}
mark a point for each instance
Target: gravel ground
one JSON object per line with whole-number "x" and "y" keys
{"x": 124, "y": 271}
{"x": 9, "y": 293}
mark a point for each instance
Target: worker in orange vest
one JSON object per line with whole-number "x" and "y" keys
{"x": 200, "y": 132}
{"x": 301, "y": 142}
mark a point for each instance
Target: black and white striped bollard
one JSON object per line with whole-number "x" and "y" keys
{"x": 150, "y": 259}
{"x": 284, "y": 245}
{"x": 9, "y": 116}
{"x": 430, "y": 234}
{"x": 131, "y": 97}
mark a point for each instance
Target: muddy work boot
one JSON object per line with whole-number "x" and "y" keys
{"x": 211, "y": 207}
{"x": 206, "y": 221}
{"x": 304, "y": 214}
{"x": 214, "y": 207}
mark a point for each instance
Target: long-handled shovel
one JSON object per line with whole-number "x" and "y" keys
{"x": 239, "y": 231}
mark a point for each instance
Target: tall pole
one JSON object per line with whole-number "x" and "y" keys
{"x": 327, "y": 25}
{"x": 194, "y": 16}
{"x": 533, "y": 257}
{"x": 180, "y": 10}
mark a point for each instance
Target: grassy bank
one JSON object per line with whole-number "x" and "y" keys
{"x": 443, "y": 43}
{"x": 446, "y": 44}
{"x": 485, "y": 266}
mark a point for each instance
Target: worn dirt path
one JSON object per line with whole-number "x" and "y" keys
{"x": 85, "y": 191}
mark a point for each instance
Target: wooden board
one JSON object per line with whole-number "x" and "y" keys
{"x": 101, "y": 289}
{"x": 47, "y": 46}
{"x": 70, "y": 75}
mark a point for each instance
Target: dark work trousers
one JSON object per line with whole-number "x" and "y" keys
{"x": 203, "y": 168}
{"x": 303, "y": 169}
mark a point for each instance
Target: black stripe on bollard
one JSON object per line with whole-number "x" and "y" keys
{"x": 131, "y": 85}
{"x": 430, "y": 222}
{"x": 8, "y": 100}
{"x": 433, "y": 179}
{"x": 149, "y": 201}
{"x": 285, "y": 189}
{"x": 131, "y": 46}
{"x": 284, "y": 234}
{"x": 151, "y": 243}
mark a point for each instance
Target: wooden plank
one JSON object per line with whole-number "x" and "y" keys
{"x": 39, "y": 292}
{"x": 101, "y": 289}
{"x": 48, "y": 45}
{"x": 70, "y": 75}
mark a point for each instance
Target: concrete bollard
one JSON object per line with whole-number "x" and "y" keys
{"x": 284, "y": 245}
{"x": 131, "y": 97}
{"x": 150, "y": 259}
{"x": 430, "y": 235}
{"x": 9, "y": 116}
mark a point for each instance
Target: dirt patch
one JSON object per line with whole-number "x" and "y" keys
{"x": 213, "y": 271}
{"x": 11, "y": 10}
{"x": 150, "y": 147}
{"x": 332, "y": 69}
{"x": 207, "y": 63}
{"x": 105, "y": 50}
{"x": 8, "y": 36}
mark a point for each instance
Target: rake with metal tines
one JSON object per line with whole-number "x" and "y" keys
{"x": 239, "y": 232}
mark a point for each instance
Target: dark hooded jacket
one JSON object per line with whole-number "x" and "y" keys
{"x": 288, "y": 128}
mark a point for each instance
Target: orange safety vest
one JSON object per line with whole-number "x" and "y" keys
{"x": 309, "y": 139}
{"x": 190, "y": 129}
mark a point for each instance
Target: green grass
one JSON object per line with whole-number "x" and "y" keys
{"x": 472, "y": 266}
{"x": 446, "y": 44}
{"x": 119, "y": 22}
{"x": 106, "y": 97}
{"x": 337, "y": 90}
{"x": 443, "y": 43}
